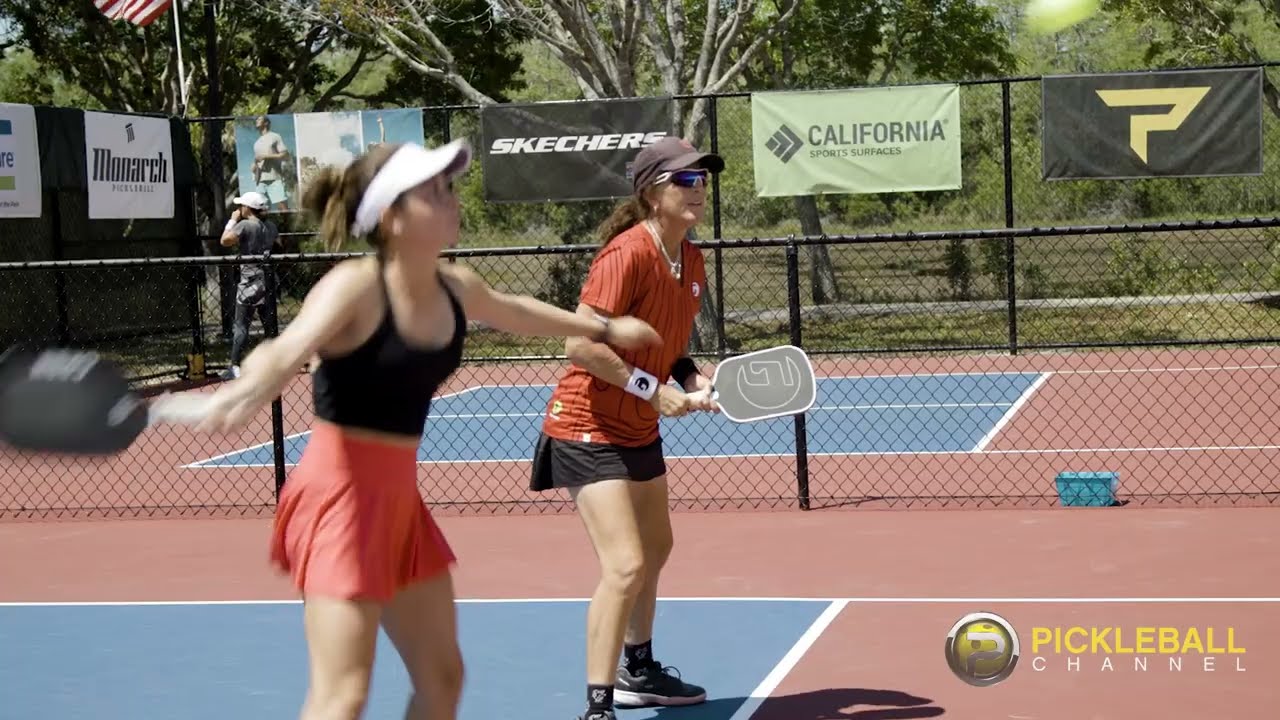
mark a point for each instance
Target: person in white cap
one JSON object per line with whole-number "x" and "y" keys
{"x": 253, "y": 234}
{"x": 351, "y": 528}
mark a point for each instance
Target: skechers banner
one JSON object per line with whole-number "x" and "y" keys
{"x": 129, "y": 159}
{"x": 1200, "y": 123}
{"x": 19, "y": 162}
{"x": 567, "y": 150}
{"x": 867, "y": 140}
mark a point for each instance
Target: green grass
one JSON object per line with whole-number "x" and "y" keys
{"x": 755, "y": 279}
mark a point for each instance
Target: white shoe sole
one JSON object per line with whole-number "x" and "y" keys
{"x": 626, "y": 697}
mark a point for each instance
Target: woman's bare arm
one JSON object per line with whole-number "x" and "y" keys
{"x": 524, "y": 315}
{"x": 326, "y": 311}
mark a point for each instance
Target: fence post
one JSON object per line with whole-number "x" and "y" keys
{"x": 446, "y": 138}
{"x": 271, "y": 328}
{"x": 793, "y": 302}
{"x": 1011, "y": 283}
{"x": 713, "y": 120}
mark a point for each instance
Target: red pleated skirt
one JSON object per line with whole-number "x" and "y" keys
{"x": 350, "y": 523}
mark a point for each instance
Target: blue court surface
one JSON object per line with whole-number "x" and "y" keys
{"x": 854, "y": 415}
{"x": 204, "y": 661}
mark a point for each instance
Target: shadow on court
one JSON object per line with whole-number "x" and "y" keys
{"x": 830, "y": 704}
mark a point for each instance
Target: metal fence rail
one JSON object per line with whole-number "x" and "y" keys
{"x": 1146, "y": 350}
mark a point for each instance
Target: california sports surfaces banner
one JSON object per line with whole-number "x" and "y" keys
{"x": 1201, "y": 123}
{"x": 277, "y": 155}
{"x": 866, "y": 140}
{"x": 20, "y": 186}
{"x": 558, "y": 151}
{"x": 129, "y": 160}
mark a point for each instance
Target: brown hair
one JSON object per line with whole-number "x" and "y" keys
{"x": 625, "y": 215}
{"x": 334, "y": 195}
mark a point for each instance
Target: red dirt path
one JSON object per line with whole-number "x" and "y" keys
{"x": 1077, "y": 552}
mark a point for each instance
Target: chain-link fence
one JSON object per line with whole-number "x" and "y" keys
{"x": 1107, "y": 363}
{"x": 974, "y": 344}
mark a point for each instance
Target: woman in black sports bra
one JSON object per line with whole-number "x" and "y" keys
{"x": 351, "y": 528}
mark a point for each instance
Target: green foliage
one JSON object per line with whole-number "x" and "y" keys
{"x": 1144, "y": 266}
{"x": 24, "y": 80}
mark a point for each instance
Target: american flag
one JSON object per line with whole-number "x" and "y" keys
{"x": 138, "y": 12}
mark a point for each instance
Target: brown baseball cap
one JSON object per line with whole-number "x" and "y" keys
{"x": 669, "y": 154}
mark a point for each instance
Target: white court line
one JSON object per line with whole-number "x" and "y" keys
{"x": 203, "y": 464}
{"x": 867, "y": 453}
{"x": 1085, "y": 371}
{"x": 1028, "y": 372}
{"x": 819, "y": 408}
{"x": 978, "y": 600}
{"x": 788, "y": 661}
{"x": 1008, "y": 414}
{"x": 200, "y": 464}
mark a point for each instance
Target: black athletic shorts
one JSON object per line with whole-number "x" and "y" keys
{"x": 564, "y": 464}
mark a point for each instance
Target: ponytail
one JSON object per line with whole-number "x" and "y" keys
{"x": 333, "y": 196}
{"x": 624, "y": 216}
{"x": 325, "y": 199}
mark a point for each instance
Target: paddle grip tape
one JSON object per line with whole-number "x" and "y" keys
{"x": 641, "y": 384}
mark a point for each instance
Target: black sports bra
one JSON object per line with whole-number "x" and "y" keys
{"x": 387, "y": 384}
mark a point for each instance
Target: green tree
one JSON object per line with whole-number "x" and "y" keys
{"x": 845, "y": 43}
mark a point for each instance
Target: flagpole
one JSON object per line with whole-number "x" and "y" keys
{"x": 182, "y": 73}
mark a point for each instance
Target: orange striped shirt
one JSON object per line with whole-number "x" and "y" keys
{"x": 629, "y": 276}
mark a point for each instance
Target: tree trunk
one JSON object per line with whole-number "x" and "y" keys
{"x": 822, "y": 273}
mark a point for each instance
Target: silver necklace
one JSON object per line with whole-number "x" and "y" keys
{"x": 676, "y": 266}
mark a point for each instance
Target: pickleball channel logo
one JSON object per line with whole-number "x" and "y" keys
{"x": 982, "y": 649}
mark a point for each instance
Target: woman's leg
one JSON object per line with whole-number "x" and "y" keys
{"x": 649, "y": 499}
{"x": 606, "y": 511}
{"x": 341, "y": 637}
{"x": 422, "y": 624}
{"x": 642, "y": 680}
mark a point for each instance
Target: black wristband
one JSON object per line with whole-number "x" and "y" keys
{"x": 683, "y": 369}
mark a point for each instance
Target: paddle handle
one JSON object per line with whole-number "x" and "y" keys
{"x": 708, "y": 392}
{"x": 180, "y": 409}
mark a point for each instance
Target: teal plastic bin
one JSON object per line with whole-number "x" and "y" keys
{"x": 1087, "y": 489}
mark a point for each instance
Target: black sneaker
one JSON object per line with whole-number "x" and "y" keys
{"x": 598, "y": 715}
{"x": 654, "y": 684}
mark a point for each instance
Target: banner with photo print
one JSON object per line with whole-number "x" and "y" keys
{"x": 865, "y": 140}
{"x": 20, "y": 185}
{"x": 129, "y": 159}
{"x": 1201, "y": 123}
{"x": 277, "y": 154}
{"x": 559, "y": 151}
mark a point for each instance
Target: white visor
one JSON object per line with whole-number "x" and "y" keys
{"x": 408, "y": 167}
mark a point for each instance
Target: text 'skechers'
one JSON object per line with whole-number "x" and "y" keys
{"x": 567, "y": 150}
{"x": 1200, "y": 123}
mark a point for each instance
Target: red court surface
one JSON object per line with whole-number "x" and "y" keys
{"x": 901, "y": 545}
{"x": 906, "y": 577}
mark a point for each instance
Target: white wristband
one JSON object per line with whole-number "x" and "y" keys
{"x": 641, "y": 384}
{"x": 230, "y": 224}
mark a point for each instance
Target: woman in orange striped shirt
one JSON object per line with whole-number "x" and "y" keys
{"x": 600, "y": 435}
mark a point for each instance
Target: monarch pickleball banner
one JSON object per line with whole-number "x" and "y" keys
{"x": 558, "y": 151}
{"x": 865, "y": 140}
{"x": 1200, "y": 123}
{"x": 129, "y": 161}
